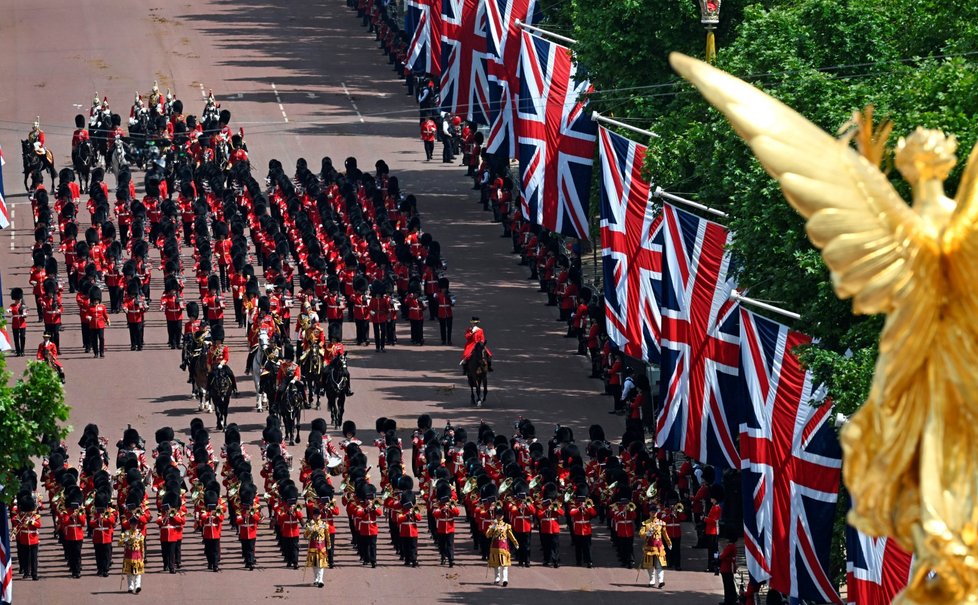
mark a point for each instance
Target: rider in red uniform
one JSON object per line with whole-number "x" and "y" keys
{"x": 48, "y": 351}
{"x": 475, "y": 334}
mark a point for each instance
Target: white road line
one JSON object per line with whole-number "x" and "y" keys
{"x": 278, "y": 99}
{"x": 352, "y": 102}
{"x": 203, "y": 93}
{"x": 12, "y": 227}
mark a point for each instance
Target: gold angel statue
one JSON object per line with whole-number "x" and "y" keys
{"x": 911, "y": 452}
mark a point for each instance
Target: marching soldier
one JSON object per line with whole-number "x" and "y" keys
{"x": 500, "y": 534}
{"x": 172, "y": 306}
{"x": 623, "y": 527}
{"x": 134, "y": 305}
{"x": 445, "y": 513}
{"x": 320, "y": 541}
{"x": 521, "y": 513}
{"x": 102, "y": 524}
{"x": 444, "y": 301}
{"x": 414, "y": 305}
{"x": 654, "y": 549}
{"x": 73, "y": 524}
{"x": 289, "y": 520}
{"x": 210, "y": 520}
{"x": 335, "y": 305}
{"x": 18, "y": 320}
{"x": 549, "y": 514}
{"x": 214, "y": 302}
{"x": 407, "y": 519}
{"x": 27, "y": 528}
{"x": 581, "y": 514}
{"x": 247, "y": 519}
{"x": 98, "y": 320}
{"x": 171, "y": 522}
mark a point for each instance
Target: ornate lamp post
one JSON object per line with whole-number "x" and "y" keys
{"x": 710, "y": 18}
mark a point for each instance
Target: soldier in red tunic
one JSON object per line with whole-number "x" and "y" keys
{"x": 26, "y": 527}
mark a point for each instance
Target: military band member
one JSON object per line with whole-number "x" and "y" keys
{"x": 102, "y": 523}
{"x": 73, "y": 523}
{"x": 445, "y": 513}
{"x": 247, "y": 519}
{"x": 133, "y": 542}
{"x": 289, "y": 520}
{"x": 407, "y": 519}
{"x": 27, "y": 528}
{"x": 654, "y": 550}
{"x": 210, "y": 519}
{"x": 549, "y": 513}
{"x": 320, "y": 541}
{"x": 581, "y": 513}
{"x": 500, "y": 534}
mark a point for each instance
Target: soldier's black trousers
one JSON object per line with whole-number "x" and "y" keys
{"x": 380, "y": 336}
{"x": 169, "y": 555}
{"x": 86, "y": 334}
{"x": 135, "y": 335}
{"x": 523, "y": 551}
{"x": 239, "y": 312}
{"x": 409, "y": 548}
{"x": 550, "y": 543}
{"x": 582, "y": 549}
{"x": 417, "y": 331}
{"x": 212, "y": 550}
{"x": 446, "y": 547}
{"x": 248, "y": 551}
{"x": 445, "y": 323}
{"x": 290, "y": 548}
{"x": 369, "y": 548}
{"x": 20, "y": 340}
{"x": 363, "y": 336}
{"x": 173, "y": 333}
{"x": 27, "y": 556}
{"x": 625, "y": 550}
{"x": 73, "y": 552}
{"x": 98, "y": 341}
{"x": 55, "y": 332}
{"x": 429, "y": 149}
{"x": 103, "y": 557}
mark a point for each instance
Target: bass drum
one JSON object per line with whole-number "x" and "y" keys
{"x": 334, "y": 465}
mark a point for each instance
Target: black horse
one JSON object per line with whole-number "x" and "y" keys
{"x": 35, "y": 164}
{"x": 290, "y": 403}
{"x": 83, "y": 160}
{"x": 336, "y": 382}
{"x": 219, "y": 393}
{"x": 477, "y": 371}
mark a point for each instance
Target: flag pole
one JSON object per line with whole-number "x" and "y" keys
{"x": 597, "y": 117}
{"x": 532, "y": 28}
{"x": 737, "y": 296}
{"x": 661, "y": 193}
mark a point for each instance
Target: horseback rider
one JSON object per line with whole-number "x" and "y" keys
{"x": 156, "y": 100}
{"x": 288, "y": 373}
{"x": 47, "y": 352}
{"x": 314, "y": 339}
{"x": 334, "y": 349}
{"x": 307, "y": 317}
{"x": 474, "y": 334}
{"x": 80, "y": 134}
{"x": 137, "y": 110}
{"x": 36, "y": 137}
{"x": 218, "y": 357}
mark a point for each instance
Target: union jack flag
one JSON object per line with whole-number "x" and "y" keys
{"x": 5, "y": 342}
{"x": 631, "y": 249}
{"x": 702, "y": 401}
{"x": 876, "y": 569}
{"x": 791, "y": 465}
{"x": 6, "y": 569}
{"x": 4, "y": 215}
{"x": 464, "y": 79}
{"x": 423, "y": 21}
{"x": 504, "y": 58}
{"x": 556, "y": 139}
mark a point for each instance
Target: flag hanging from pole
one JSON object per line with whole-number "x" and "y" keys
{"x": 4, "y": 214}
{"x": 877, "y": 569}
{"x": 5, "y": 342}
{"x": 556, "y": 139}
{"x": 631, "y": 249}
{"x": 503, "y": 44}
{"x": 464, "y": 82}
{"x": 6, "y": 569}
{"x": 422, "y": 21}
{"x": 702, "y": 399}
{"x": 791, "y": 464}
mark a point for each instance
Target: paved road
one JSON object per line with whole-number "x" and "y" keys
{"x": 305, "y": 81}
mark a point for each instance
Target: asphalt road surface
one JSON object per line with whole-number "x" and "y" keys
{"x": 304, "y": 80}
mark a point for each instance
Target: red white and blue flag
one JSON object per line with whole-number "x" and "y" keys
{"x": 877, "y": 569}
{"x": 631, "y": 249}
{"x": 6, "y": 569}
{"x": 423, "y": 22}
{"x": 791, "y": 464}
{"x": 4, "y": 214}
{"x": 702, "y": 399}
{"x": 556, "y": 139}
{"x": 504, "y": 43}
{"x": 464, "y": 78}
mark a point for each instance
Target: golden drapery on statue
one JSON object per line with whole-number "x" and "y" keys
{"x": 911, "y": 451}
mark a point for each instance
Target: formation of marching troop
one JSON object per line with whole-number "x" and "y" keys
{"x": 501, "y": 489}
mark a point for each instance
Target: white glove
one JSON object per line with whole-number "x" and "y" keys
{"x": 220, "y": 365}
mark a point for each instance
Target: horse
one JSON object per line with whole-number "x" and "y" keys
{"x": 477, "y": 371}
{"x": 290, "y": 404}
{"x": 311, "y": 365}
{"x": 83, "y": 160}
{"x": 120, "y": 157}
{"x": 220, "y": 395}
{"x": 263, "y": 377}
{"x": 336, "y": 382}
{"x": 35, "y": 164}
{"x": 198, "y": 370}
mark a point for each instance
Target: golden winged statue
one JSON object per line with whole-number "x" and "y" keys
{"x": 911, "y": 451}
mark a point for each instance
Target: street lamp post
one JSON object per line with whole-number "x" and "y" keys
{"x": 710, "y": 18}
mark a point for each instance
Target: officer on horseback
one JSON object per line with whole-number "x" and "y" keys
{"x": 288, "y": 373}
{"x": 474, "y": 334}
{"x": 36, "y": 137}
{"x": 314, "y": 339}
{"x": 217, "y": 359}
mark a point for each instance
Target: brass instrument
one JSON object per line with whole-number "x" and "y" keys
{"x": 470, "y": 484}
{"x": 630, "y": 507}
{"x": 453, "y": 502}
{"x": 377, "y": 503}
{"x": 417, "y": 509}
{"x": 609, "y": 491}
{"x": 679, "y": 509}
{"x": 588, "y": 503}
{"x": 505, "y": 486}
{"x": 535, "y": 482}
{"x": 652, "y": 492}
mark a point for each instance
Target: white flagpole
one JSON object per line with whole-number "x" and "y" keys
{"x": 661, "y": 193}
{"x": 544, "y": 32}
{"x": 735, "y": 295}
{"x": 597, "y": 117}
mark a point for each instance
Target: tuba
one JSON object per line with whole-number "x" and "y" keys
{"x": 470, "y": 484}
{"x": 505, "y": 486}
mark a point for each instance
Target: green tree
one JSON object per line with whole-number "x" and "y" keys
{"x": 32, "y": 414}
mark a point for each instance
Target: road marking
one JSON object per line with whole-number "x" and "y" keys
{"x": 13, "y": 227}
{"x": 352, "y": 102}
{"x": 203, "y": 93}
{"x": 278, "y": 99}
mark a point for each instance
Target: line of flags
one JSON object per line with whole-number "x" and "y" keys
{"x": 5, "y": 342}
{"x": 524, "y": 88}
{"x": 733, "y": 392}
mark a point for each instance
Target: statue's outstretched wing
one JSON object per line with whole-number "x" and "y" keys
{"x": 960, "y": 240}
{"x": 876, "y": 246}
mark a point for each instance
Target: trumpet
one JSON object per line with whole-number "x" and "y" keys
{"x": 609, "y": 491}
{"x": 417, "y": 509}
{"x": 453, "y": 502}
{"x": 588, "y": 503}
{"x": 679, "y": 509}
{"x": 630, "y": 507}
{"x": 377, "y": 503}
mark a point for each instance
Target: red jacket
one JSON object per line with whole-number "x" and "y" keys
{"x": 214, "y": 304}
{"x": 521, "y": 516}
{"x": 289, "y": 522}
{"x": 98, "y": 316}
{"x": 248, "y": 524}
{"x": 171, "y": 526}
{"x": 550, "y": 518}
{"x": 713, "y": 520}
{"x": 445, "y": 518}
{"x": 73, "y": 525}
{"x": 407, "y": 523}
{"x": 52, "y": 310}
{"x": 172, "y": 307}
{"x": 728, "y": 558}
{"x": 381, "y": 309}
{"x": 444, "y": 303}
{"x": 210, "y": 522}
{"x": 26, "y": 526}
{"x": 581, "y": 520}
{"x": 18, "y": 315}
{"x": 415, "y": 308}
{"x": 135, "y": 311}
{"x": 367, "y": 519}
{"x": 335, "y": 305}
{"x": 623, "y": 522}
{"x": 103, "y": 526}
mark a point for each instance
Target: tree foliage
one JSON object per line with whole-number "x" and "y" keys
{"x": 32, "y": 414}
{"x": 914, "y": 60}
